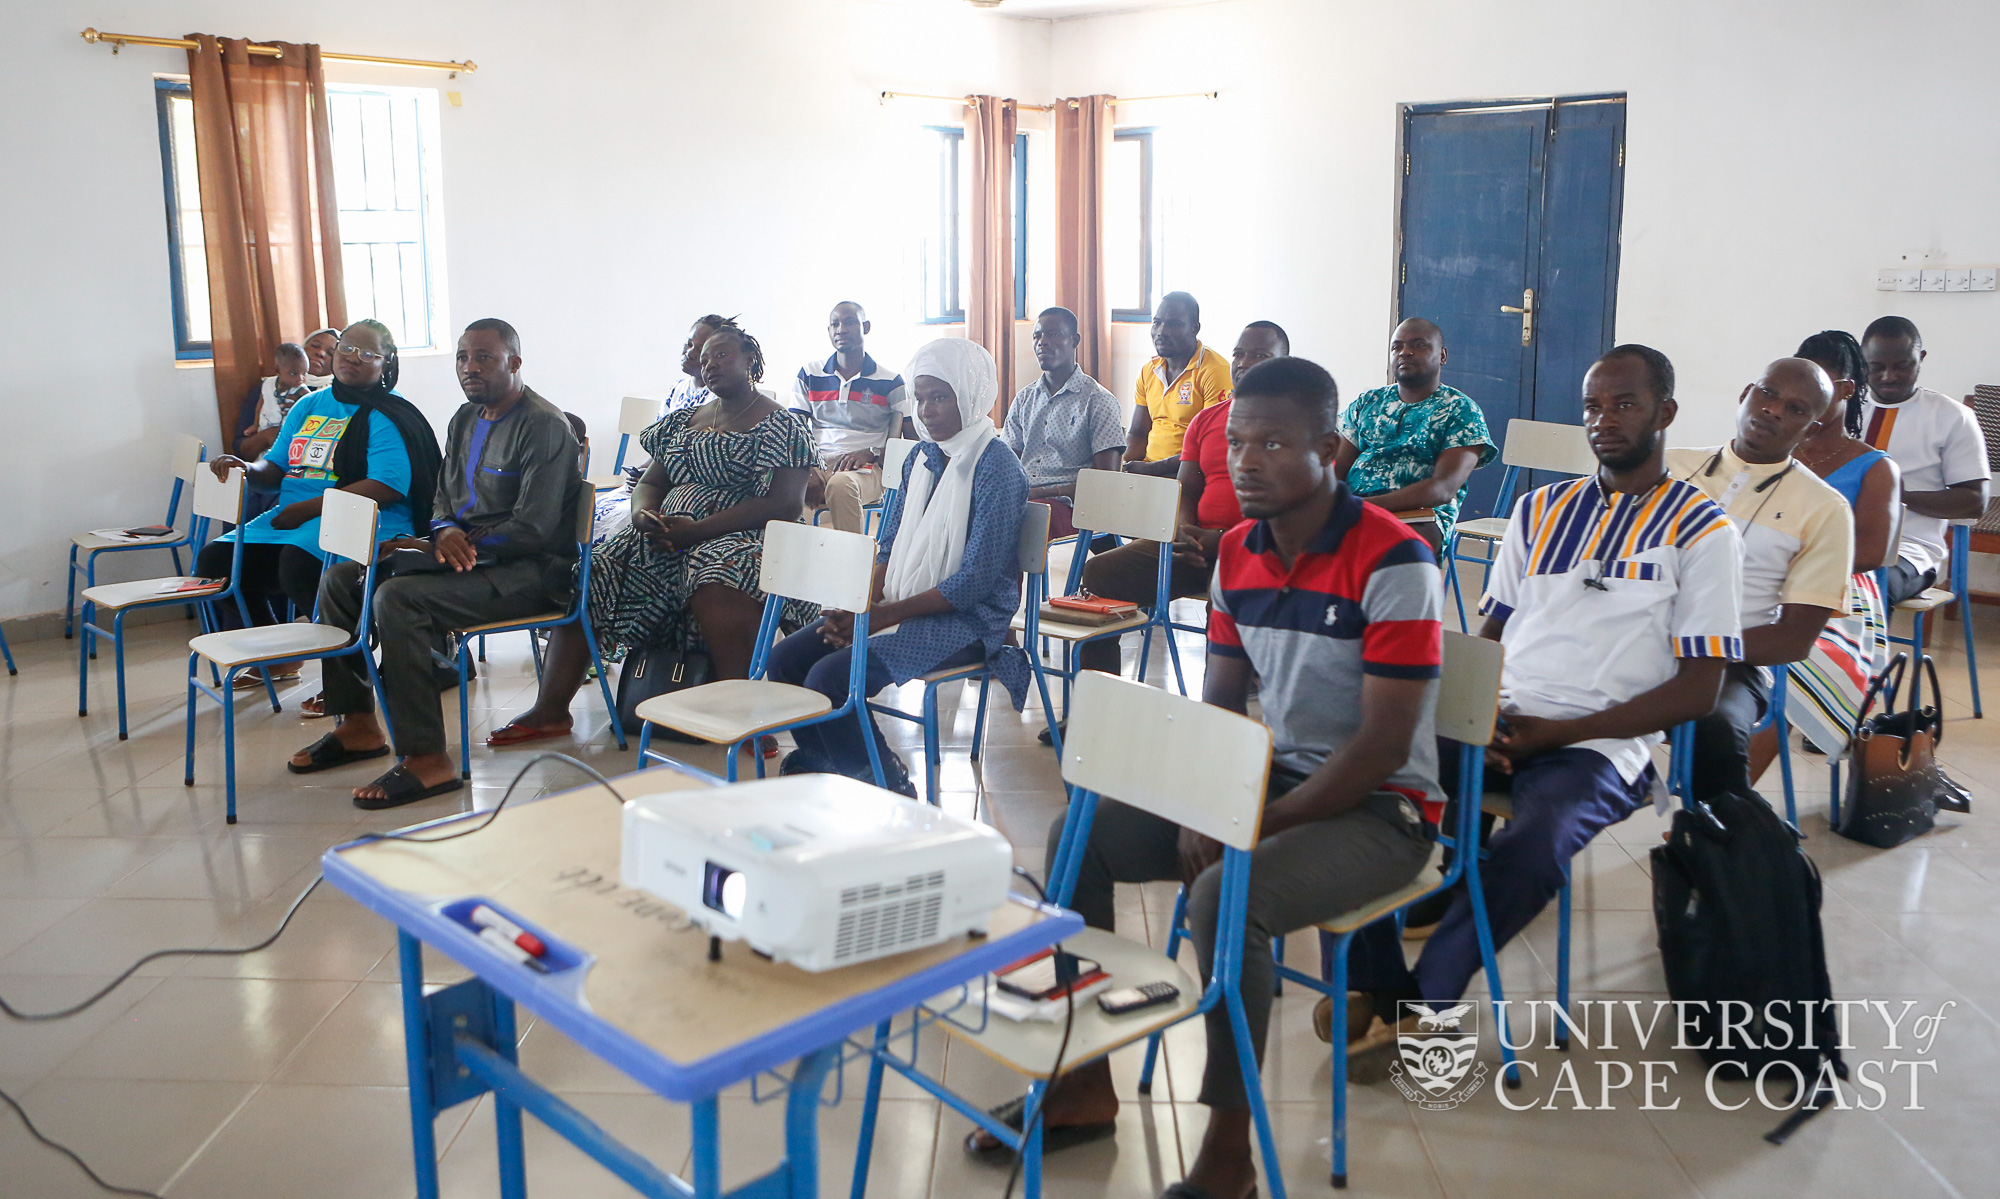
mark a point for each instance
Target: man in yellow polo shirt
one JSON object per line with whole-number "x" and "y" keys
{"x": 1184, "y": 377}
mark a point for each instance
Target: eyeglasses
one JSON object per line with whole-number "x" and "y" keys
{"x": 355, "y": 351}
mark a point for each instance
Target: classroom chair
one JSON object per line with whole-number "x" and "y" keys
{"x": 1199, "y": 766}
{"x": 1680, "y": 785}
{"x": 1143, "y": 506}
{"x": 1467, "y": 704}
{"x": 1034, "y": 552}
{"x": 636, "y": 414}
{"x": 213, "y": 500}
{"x": 822, "y": 566}
{"x": 1530, "y": 445}
{"x": 1957, "y": 590}
{"x": 578, "y": 614}
{"x": 1774, "y": 718}
{"x": 189, "y": 453}
{"x": 346, "y": 530}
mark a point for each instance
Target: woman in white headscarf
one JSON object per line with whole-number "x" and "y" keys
{"x": 947, "y": 575}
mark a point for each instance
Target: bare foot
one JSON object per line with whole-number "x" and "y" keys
{"x": 430, "y": 769}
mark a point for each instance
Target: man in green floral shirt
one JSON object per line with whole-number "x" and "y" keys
{"x": 1412, "y": 446}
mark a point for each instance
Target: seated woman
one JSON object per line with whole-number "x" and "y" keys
{"x": 1827, "y": 687}
{"x": 357, "y": 435}
{"x": 947, "y": 575}
{"x": 685, "y": 570}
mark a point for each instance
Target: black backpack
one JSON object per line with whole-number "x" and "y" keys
{"x": 1736, "y": 903}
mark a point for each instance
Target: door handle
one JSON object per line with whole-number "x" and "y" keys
{"x": 1527, "y": 314}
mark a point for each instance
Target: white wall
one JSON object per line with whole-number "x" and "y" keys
{"x": 616, "y": 169}
{"x": 1778, "y": 153}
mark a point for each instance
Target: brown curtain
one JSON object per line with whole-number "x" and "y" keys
{"x": 268, "y": 214}
{"x": 1083, "y": 142}
{"x": 989, "y": 309}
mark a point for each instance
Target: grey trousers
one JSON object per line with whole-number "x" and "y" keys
{"x": 411, "y": 613}
{"x": 1308, "y": 873}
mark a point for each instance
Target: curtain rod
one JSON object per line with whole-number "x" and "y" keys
{"x": 1045, "y": 107}
{"x": 120, "y": 40}
{"x": 966, "y": 100}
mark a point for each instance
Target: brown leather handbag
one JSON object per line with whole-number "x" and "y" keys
{"x": 1894, "y": 786}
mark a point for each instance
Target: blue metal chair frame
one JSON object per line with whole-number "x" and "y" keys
{"x": 1158, "y": 618}
{"x": 7, "y": 653}
{"x": 88, "y": 568}
{"x": 1503, "y": 506}
{"x": 197, "y": 535}
{"x": 1471, "y": 776}
{"x": 1223, "y": 987}
{"x": 579, "y": 614}
{"x": 224, "y": 692}
{"x": 1957, "y": 581}
{"x": 854, "y": 706}
{"x": 1774, "y": 718}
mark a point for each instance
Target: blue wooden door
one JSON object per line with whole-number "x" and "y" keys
{"x": 1510, "y": 207}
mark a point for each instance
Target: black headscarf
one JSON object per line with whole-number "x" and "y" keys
{"x": 350, "y": 455}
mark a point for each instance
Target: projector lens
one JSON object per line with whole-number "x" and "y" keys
{"x": 723, "y": 889}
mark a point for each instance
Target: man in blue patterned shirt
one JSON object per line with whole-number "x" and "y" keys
{"x": 1412, "y": 446}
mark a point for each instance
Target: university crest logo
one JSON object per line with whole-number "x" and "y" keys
{"x": 1435, "y": 1069}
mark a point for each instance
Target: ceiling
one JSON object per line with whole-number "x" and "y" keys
{"x": 1058, "y": 10}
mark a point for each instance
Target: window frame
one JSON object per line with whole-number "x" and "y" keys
{"x": 185, "y": 348}
{"x": 430, "y": 210}
{"x": 1147, "y": 204}
{"x": 951, "y": 214}
{"x": 1020, "y": 226}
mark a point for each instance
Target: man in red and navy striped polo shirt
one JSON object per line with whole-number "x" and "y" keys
{"x": 1334, "y": 605}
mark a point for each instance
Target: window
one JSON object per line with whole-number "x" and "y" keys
{"x": 945, "y": 235}
{"x": 385, "y": 174}
{"x": 1129, "y": 226}
{"x": 187, "y": 256}
{"x": 386, "y": 180}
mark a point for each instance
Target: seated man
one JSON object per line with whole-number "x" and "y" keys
{"x": 1341, "y": 825}
{"x": 264, "y": 408}
{"x": 502, "y": 544}
{"x": 1062, "y": 422}
{"x": 1208, "y": 507}
{"x": 1798, "y": 547}
{"x": 1936, "y": 442}
{"x": 853, "y": 407}
{"x": 1411, "y": 446}
{"x": 1615, "y": 596}
{"x": 1183, "y": 378}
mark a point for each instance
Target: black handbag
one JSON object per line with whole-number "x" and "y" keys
{"x": 657, "y": 671}
{"x": 1894, "y": 786}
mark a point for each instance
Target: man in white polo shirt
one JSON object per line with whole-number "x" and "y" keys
{"x": 1616, "y": 597}
{"x": 1798, "y": 550}
{"x": 854, "y": 406}
{"x": 1936, "y": 442}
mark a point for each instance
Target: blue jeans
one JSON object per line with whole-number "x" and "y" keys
{"x": 1562, "y": 800}
{"x": 804, "y": 659}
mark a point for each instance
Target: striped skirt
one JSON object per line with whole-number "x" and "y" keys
{"x": 1827, "y": 688}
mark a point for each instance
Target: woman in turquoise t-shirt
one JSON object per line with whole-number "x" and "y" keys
{"x": 357, "y": 435}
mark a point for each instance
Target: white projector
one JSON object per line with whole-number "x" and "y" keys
{"x": 816, "y": 869}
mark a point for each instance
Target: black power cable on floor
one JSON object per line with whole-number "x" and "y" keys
{"x": 135, "y": 967}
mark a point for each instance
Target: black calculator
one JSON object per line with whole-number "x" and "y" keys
{"x": 1132, "y": 999}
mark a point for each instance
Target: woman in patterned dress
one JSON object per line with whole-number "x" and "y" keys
{"x": 1827, "y": 686}
{"x": 685, "y": 571}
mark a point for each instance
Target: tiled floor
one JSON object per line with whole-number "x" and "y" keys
{"x": 280, "y": 1074}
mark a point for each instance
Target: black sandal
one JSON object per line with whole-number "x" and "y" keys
{"x": 399, "y": 787}
{"x": 327, "y": 753}
{"x": 1188, "y": 1190}
{"x": 1054, "y": 1136}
